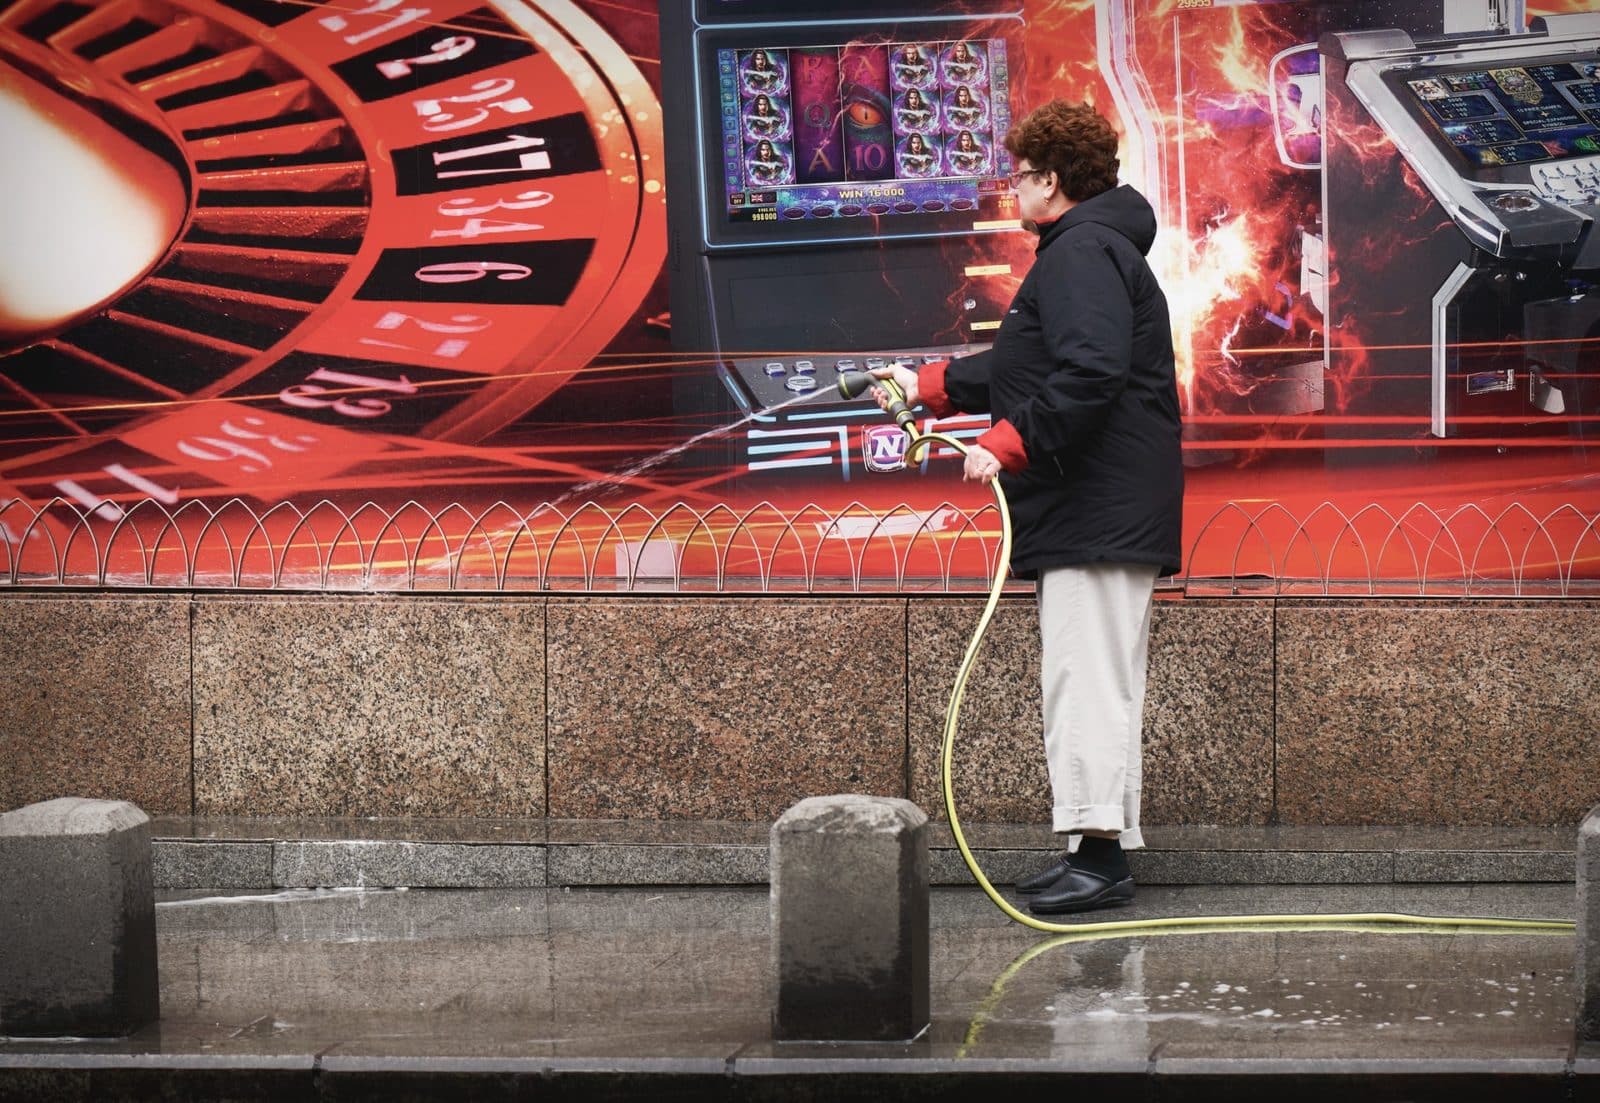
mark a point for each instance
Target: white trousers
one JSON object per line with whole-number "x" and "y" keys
{"x": 1094, "y": 623}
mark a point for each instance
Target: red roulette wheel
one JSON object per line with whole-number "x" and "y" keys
{"x": 322, "y": 234}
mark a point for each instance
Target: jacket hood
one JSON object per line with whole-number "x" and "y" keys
{"x": 1122, "y": 209}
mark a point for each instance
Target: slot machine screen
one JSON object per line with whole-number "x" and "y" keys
{"x": 744, "y": 11}
{"x": 897, "y": 135}
{"x": 1489, "y": 118}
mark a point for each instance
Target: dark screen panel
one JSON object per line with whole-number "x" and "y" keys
{"x": 741, "y": 11}
{"x": 1512, "y": 114}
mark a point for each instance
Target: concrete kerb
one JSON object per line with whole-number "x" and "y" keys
{"x": 77, "y": 920}
{"x": 1586, "y": 977}
{"x": 850, "y": 920}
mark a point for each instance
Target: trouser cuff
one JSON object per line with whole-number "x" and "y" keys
{"x": 1096, "y": 817}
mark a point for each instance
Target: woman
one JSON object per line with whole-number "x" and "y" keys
{"x": 917, "y": 158}
{"x": 911, "y": 69}
{"x": 762, "y": 75}
{"x": 1082, "y": 391}
{"x": 962, "y": 64}
{"x": 963, "y": 110}
{"x": 914, "y": 114}
{"x": 764, "y": 121}
{"x": 766, "y": 167}
{"x": 967, "y": 156}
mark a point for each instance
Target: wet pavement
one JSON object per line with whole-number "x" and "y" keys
{"x": 600, "y": 993}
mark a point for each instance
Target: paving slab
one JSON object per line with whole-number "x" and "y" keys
{"x": 663, "y": 992}
{"x": 385, "y": 863}
{"x": 220, "y": 852}
{"x": 179, "y": 864}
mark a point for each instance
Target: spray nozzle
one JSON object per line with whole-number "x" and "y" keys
{"x": 854, "y": 384}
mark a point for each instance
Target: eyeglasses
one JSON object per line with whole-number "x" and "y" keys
{"x": 1016, "y": 178}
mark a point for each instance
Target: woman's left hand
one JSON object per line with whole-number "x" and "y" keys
{"x": 980, "y": 466}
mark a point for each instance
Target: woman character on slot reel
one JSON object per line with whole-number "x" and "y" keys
{"x": 768, "y": 165}
{"x": 764, "y": 120}
{"x": 967, "y": 155}
{"x": 917, "y": 158}
{"x": 764, "y": 71}
{"x": 964, "y": 64}
{"x": 394, "y": 226}
{"x": 912, "y": 115}
{"x": 911, "y": 68}
{"x": 964, "y": 110}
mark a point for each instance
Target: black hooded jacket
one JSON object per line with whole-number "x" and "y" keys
{"x": 1082, "y": 388}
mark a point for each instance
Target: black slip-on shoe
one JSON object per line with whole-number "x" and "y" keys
{"x": 1079, "y": 890}
{"x": 1045, "y": 877}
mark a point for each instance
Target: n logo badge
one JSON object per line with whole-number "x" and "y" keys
{"x": 883, "y": 447}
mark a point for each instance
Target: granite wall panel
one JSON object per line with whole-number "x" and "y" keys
{"x": 94, "y": 699}
{"x": 1448, "y": 712}
{"x": 369, "y": 706}
{"x": 681, "y": 708}
{"x": 1207, "y": 721}
{"x": 998, "y": 767}
{"x": 723, "y": 708}
{"x": 1208, "y": 736}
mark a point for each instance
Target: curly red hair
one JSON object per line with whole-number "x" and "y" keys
{"x": 1072, "y": 140}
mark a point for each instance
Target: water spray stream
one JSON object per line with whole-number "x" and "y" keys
{"x": 619, "y": 478}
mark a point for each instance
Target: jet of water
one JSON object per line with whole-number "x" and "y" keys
{"x": 620, "y": 478}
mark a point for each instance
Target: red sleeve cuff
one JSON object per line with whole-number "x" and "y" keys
{"x": 930, "y": 389}
{"x": 1002, "y": 439}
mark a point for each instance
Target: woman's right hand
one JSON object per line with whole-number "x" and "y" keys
{"x": 905, "y": 378}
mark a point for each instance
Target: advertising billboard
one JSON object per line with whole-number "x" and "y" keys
{"x": 511, "y": 263}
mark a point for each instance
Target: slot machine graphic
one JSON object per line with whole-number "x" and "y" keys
{"x": 1494, "y": 146}
{"x": 1232, "y": 156}
{"x": 369, "y": 226}
{"x": 838, "y": 195}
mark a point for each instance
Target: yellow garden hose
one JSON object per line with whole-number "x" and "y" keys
{"x": 1276, "y": 924}
{"x": 920, "y": 442}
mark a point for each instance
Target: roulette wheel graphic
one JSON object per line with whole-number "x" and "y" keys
{"x": 325, "y": 237}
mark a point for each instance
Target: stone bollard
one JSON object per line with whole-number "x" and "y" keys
{"x": 77, "y": 919}
{"x": 1587, "y": 974}
{"x": 850, "y": 920}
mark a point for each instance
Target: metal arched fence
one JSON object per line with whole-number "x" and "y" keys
{"x": 1239, "y": 549}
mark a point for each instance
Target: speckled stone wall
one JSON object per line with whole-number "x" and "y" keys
{"x": 653, "y": 709}
{"x": 1207, "y": 721}
{"x": 723, "y": 708}
{"x": 391, "y": 704}
{"x": 1208, "y": 734}
{"x": 94, "y": 699}
{"x": 1438, "y": 712}
{"x": 998, "y": 769}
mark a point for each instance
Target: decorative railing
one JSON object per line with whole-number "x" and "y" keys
{"x": 1466, "y": 551}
